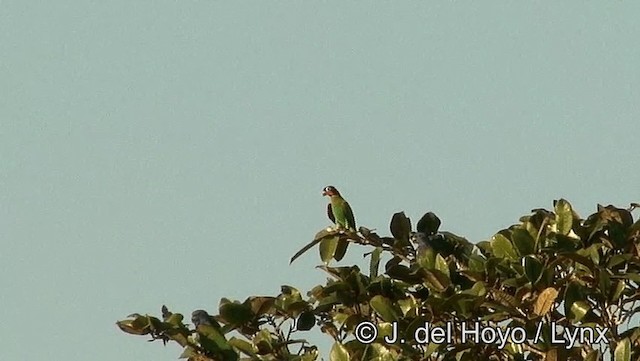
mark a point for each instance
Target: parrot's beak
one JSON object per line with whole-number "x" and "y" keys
{"x": 324, "y": 193}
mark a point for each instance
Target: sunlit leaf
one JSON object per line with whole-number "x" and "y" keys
{"x": 564, "y": 216}
{"x": 338, "y": 352}
{"x": 579, "y": 310}
{"x": 261, "y": 305}
{"x": 319, "y": 237}
{"x": 437, "y": 280}
{"x": 188, "y": 353}
{"x": 442, "y": 266}
{"x": 328, "y": 247}
{"x": 211, "y": 339}
{"x": 622, "y": 351}
{"x": 545, "y": 301}
{"x": 138, "y": 326}
{"x": 375, "y": 262}
{"x": 593, "y": 356}
{"x": 384, "y": 308}
{"x": 243, "y": 346}
{"x": 502, "y": 247}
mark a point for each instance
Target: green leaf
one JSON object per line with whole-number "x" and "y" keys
{"x": 523, "y": 241}
{"x": 587, "y": 262}
{"x": 573, "y": 294}
{"x": 616, "y": 291}
{"x": 243, "y": 346}
{"x": 384, "y": 329}
{"x": 477, "y": 263}
{"x": 533, "y": 268}
{"x": 263, "y": 341}
{"x": 502, "y": 247}
{"x": 235, "y": 313}
{"x": 437, "y": 280}
{"x": 604, "y": 281}
{"x": 623, "y": 351}
{"x": 426, "y": 257}
{"x": 428, "y": 224}
{"x": 261, "y": 305}
{"x": 328, "y": 247}
{"x": 579, "y": 310}
{"x": 319, "y": 237}
{"x": 212, "y": 340}
{"x": 338, "y": 353}
{"x": 374, "y": 264}
{"x": 401, "y": 227}
{"x": 341, "y": 249}
{"x": 288, "y": 296}
{"x": 478, "y": 289}
{"x": 593, "y": 356}
{"x": 188, "y": 352}
{"x": 400, "y": 272}
{"x": 306, "y": 321}
{"x": 175, "y": 319}
{"x": 408, "y": 306}
{"x": 618, "y": 259}
{"x": 564, "y": 217}
{"x": 635, "y": 277}
{"x": 290, "y": 291}
{"x": 340, "y": 273}
{"x": 384, "y": 308}
{"x": 140, "y": 325}
{"x": 442, "y": 266}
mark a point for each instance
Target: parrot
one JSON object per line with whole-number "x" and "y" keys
{"x": 211, "y": 337}
{"x": 201, "y": 317}
{"x": 338, "y": 209}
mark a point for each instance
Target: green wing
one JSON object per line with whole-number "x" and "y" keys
{"x": 330, "y": 213}
{"x": 348, "y": 213}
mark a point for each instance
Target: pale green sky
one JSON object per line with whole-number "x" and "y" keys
{"x": 173, "y": 152}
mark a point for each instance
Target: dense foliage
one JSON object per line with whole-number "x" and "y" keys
{"x": 551, "y": 287}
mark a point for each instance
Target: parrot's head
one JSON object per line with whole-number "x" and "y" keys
{"x": 200, "y": 317}
{"x": 330, "y": 191}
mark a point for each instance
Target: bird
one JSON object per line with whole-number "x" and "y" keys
{"x": 201, "y": 317}
{"x": 338, "y": 209}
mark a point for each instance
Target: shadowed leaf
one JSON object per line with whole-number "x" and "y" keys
{"x": 235, "y": 313}
{"x": 306, "y": 321}
{"x": 400, "y": 227}
{"x": 428, "y": 224}
{"x": 533, "y": 268}
{"x": 341, "y": 249}
{"x": 523, "y": 241}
